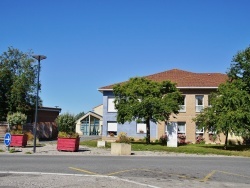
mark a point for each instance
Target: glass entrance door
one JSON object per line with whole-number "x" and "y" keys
{"x": 90, "y": 126}
{"x": 85, "y": 126}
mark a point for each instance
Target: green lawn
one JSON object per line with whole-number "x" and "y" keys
{"x": 201, "y": 149}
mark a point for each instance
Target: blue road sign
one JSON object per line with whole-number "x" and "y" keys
{"x": 7, "y": 139}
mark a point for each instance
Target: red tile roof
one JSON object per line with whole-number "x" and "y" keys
{"x": 185, "y": 79}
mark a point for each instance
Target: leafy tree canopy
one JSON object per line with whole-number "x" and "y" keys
{"x": 79, "y": 115}
{"x": 143, "y": 100}
{"x": 229, "y": 111}
{"x": 17, "y": 82}
{"x": 240, "y": 68}
{"x": 230, "y": 106}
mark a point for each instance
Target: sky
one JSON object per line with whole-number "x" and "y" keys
{"x": 94, "y": 43}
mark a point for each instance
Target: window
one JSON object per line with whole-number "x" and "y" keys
{"x": 199, "y": 103}
{"x": 212, "y": 130}
{"x": 141, "y": 128}
{"x": 183, "y": 105}
{"x": 111, "y": 105}
{"x": 199, "y": 131}
{"x": 112, "y": 128}
{"x": 181, "y": 127}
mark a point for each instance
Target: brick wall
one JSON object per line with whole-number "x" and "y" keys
{"x": 190, "y": 114}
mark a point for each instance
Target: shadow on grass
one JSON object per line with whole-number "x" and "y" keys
{"x": 229, "y": 148}
{"x": 151, "y": 143}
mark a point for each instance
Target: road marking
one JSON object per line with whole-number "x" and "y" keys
{"x": 229, "y": 173}
{"x": 118, "y": 172}
{"x": 130, "y": 181}
{"x": 80, "y": 175}
{"x": 82, "y": 170}
{"x": 206, "y": 178}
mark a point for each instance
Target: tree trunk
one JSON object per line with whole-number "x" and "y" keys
{"x": 148, "y": 131}
{"x": 225, "y": 145}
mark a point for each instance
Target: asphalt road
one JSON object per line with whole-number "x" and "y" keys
{"x": 123, "y": 171}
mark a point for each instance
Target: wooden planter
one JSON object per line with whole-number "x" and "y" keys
{"x": 68, "y": 144}
{"x": 18, "y": 140}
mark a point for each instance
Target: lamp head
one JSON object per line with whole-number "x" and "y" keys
{"x": 39, "y": 57}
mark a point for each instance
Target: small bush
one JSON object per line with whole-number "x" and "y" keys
{"x": 16, "y": 132}
{"x": 163, "y": 139}
{"x": 12, "y": 150}
{"x": 181, "y": 139}
{"x": 29, "y": 134}
{"x": 68, "y": 135}
{"x": 200, "y": 140}
{"x": 66, "y": 123}
{"x": 132, "y": 139}
{"x": 123, "y": 138}
{"x": 17, "y": 118}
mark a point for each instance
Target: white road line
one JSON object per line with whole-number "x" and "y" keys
{"x": 79, "y": 175}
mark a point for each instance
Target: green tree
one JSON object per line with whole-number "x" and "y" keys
{"x": 240, "y": 68}
{"x": 230, "y": 110}
{"x": 79, "y": 115}
{"x": 17, "y": 82}
{"x": 143, "y": 100}
{"x": 5, "y": 88}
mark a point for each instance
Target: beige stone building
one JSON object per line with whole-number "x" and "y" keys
{"x": 195, "y": 88}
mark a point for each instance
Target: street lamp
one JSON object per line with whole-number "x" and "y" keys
{"x": 38, "y": 58}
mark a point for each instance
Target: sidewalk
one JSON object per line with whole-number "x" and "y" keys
{"x": 50, "y": 148}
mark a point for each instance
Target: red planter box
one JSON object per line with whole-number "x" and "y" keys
{"x": 18, "y": 140}
{"x": 68, "y": 144}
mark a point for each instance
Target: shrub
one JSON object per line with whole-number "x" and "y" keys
{"x": 123, "y": 138}
{"x": 163, "y": 139}
{"x": 181, "y": 139}
{"x": 16, "y": 118}
{"x": 66, "y": 126}
{"x": 66, "y": 122}
{"x": 68, "y": 135}
{"x": 200, "y": 140}
{"x": 16, "y": 121}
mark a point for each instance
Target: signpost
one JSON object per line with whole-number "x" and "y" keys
{"x": 7, "y": 140}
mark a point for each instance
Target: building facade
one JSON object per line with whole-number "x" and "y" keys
{"x": 195, "y": 88}
{"x": 90, "y": 123}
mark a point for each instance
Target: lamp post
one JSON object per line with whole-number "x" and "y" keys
{"x": 38, "y": 58}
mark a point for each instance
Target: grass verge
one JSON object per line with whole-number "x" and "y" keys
{"x": 200, "y": 149}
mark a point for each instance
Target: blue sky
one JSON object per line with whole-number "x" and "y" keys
{"x": 90, "y": 44}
